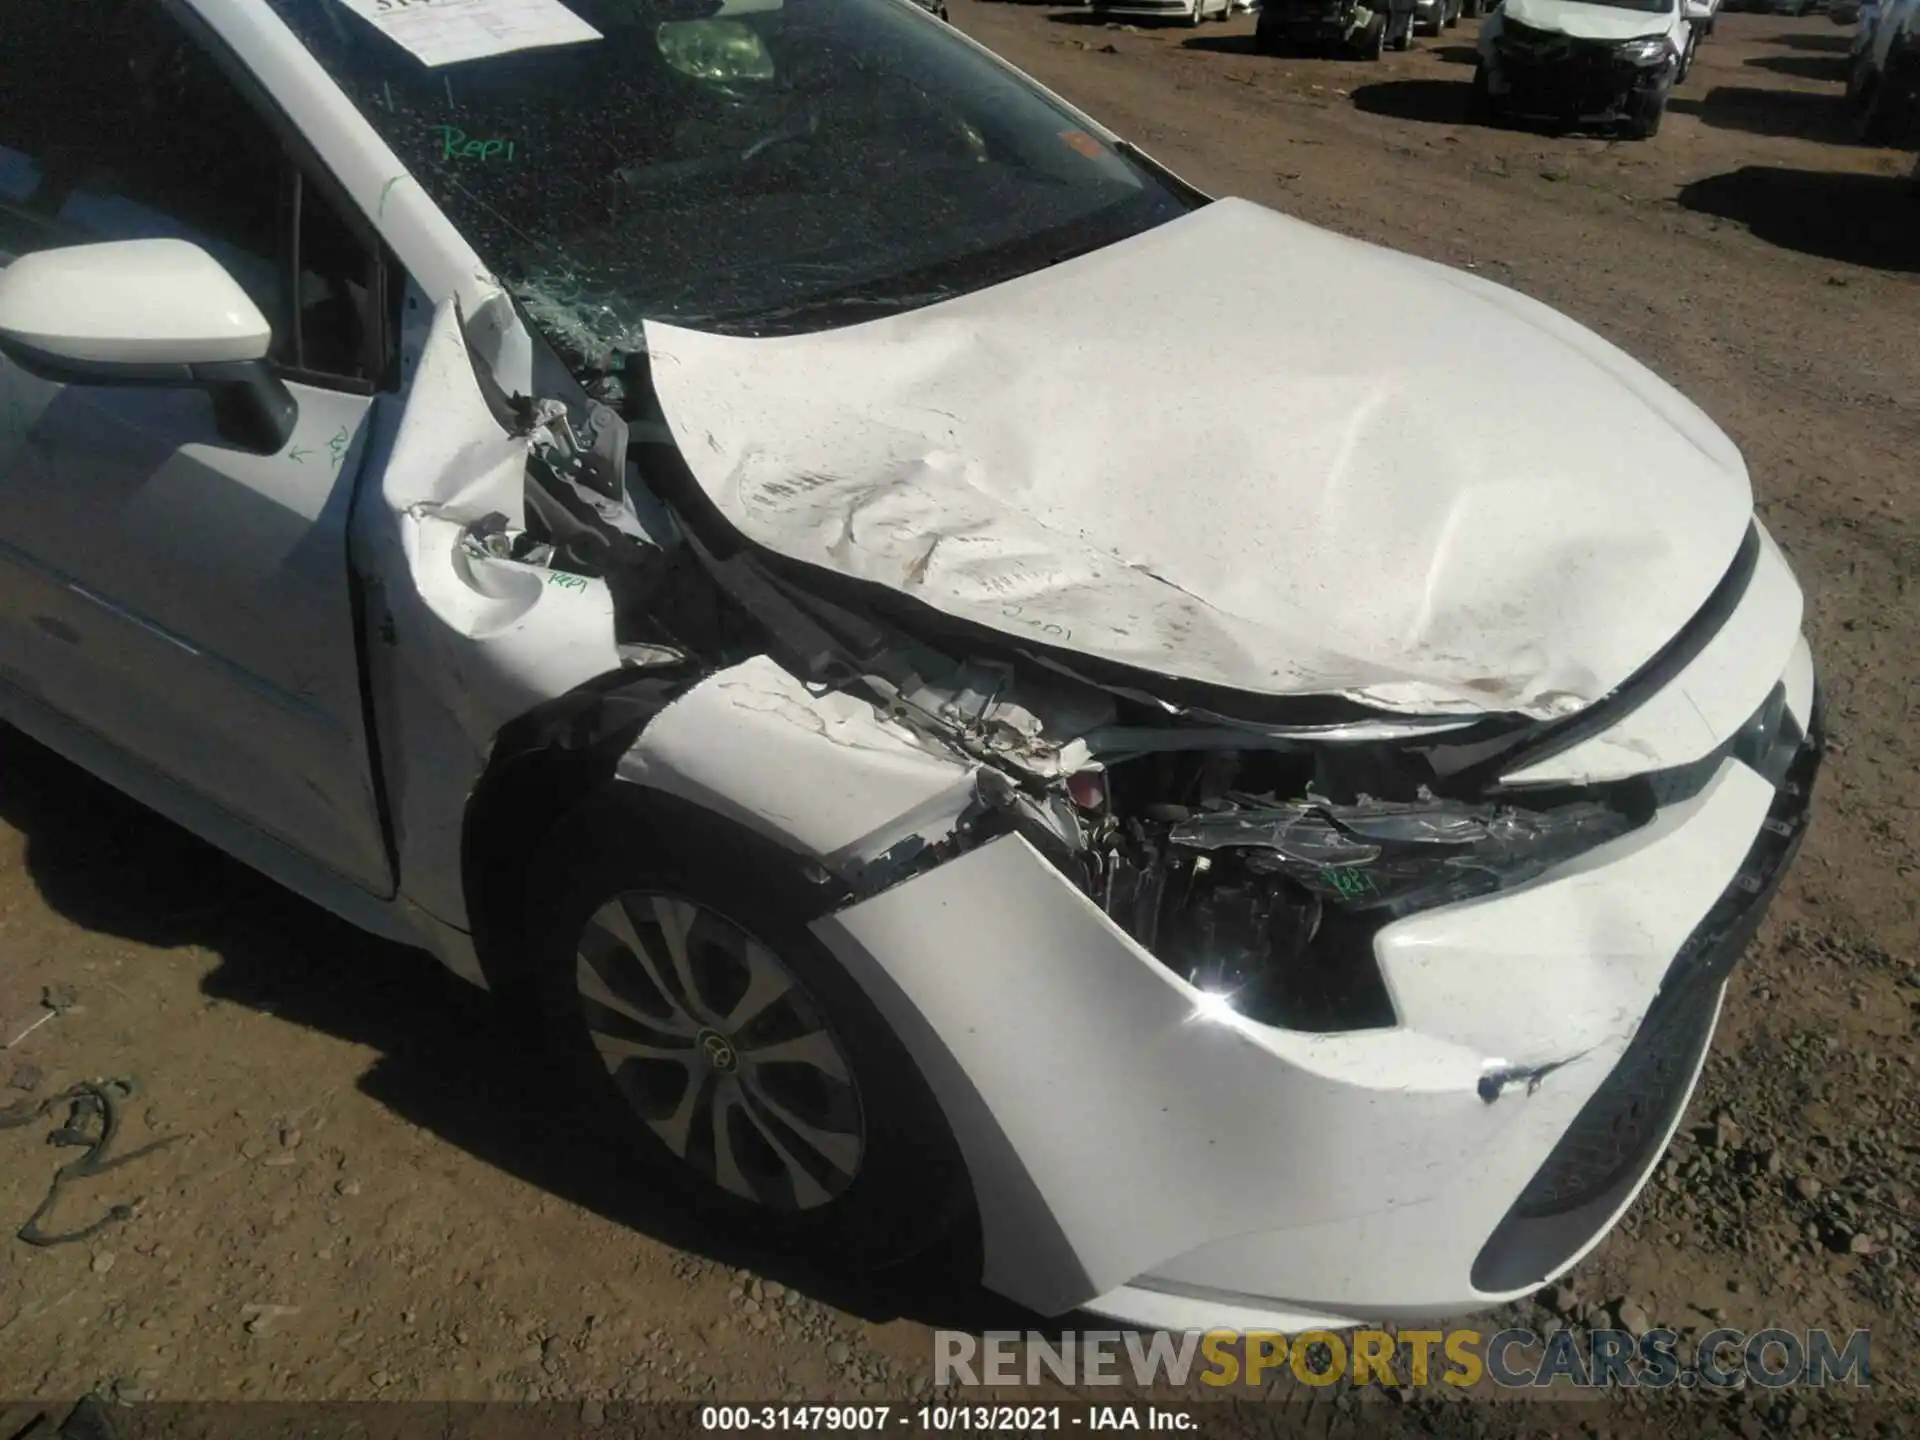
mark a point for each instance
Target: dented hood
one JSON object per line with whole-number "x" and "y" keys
{"x": 1586, "y": 22}
{"x": 1242, "y": 451}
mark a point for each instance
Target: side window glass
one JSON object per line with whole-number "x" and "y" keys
{"x": 149, "y": 139}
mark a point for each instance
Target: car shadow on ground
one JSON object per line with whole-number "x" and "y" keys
{"x": 1806, "y": 67}
{"x": 1456, "y": 54}
{"x": 1838, "y": 43}
{"x": 1871, "y": 220}
{"x": 1788, "y": 114}
{"x": 1437, "y": 102}
{"x": 449, "y": 1059}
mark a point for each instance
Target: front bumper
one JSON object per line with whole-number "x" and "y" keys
{"x": 1308, "y": 22}
{"x": 1138, "y": 1156}
{"x": 1136, "y": 1152}
{"x": 1574, "y": 83}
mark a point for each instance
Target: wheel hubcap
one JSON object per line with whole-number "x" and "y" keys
{"x": 720, "y": 1050}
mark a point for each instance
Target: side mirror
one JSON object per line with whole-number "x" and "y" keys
{"x": 147, "y": 312}
{"x": 1697, "y": 13}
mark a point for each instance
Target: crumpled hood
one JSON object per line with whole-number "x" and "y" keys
{"x": 1584, "y": 22}
{"x": 1243, "y": 451}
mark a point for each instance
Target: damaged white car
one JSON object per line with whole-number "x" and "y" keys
{"x": 678, "y": 506}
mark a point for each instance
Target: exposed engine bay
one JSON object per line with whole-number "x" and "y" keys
{"x": 1255, "y": 860}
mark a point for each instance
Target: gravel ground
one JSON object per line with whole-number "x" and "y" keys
{"x": 372, "y": 1190}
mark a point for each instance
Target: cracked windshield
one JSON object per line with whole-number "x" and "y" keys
{"x": 748, "y": 166}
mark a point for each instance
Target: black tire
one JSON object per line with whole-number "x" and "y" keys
{"x": 1470, "y": 9}
{"x": 1686, "y": 59}
{"x": 1482, "y": 109}
{"x": 1885, "y": 102}
{"x": 1199, "y": 14}
{"x": 1644, "y": 123}
{"x": 908, "y": 1185}
{"x": 1869, "y": 115}
{"x": 1449, "y": 19}
{"x": 1369, "y": 45}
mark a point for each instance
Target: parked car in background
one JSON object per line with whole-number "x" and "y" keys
{"x": 1585, "y": 62}
{"x": 1436, "y": 17}
{"x": 1883, "y": 89}
{"x": 1350, "y": 27}
{"x": 1864, "y": 25}
{"x": 1186, "y": 12}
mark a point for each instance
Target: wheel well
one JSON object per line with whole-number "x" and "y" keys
{"x": 542, "y": 767}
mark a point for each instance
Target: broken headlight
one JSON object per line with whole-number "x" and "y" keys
{"x": 1275, "y": 906}
{"x": 1401, "y": 857}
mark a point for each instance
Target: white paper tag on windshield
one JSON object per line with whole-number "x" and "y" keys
{"x": 445, "y": 32}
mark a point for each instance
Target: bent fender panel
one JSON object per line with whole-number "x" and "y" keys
{"x": 822, "y": 775}
{"x": 459, "y": 645}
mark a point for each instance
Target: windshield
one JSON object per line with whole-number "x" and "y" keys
{"x": 749, "y": 166}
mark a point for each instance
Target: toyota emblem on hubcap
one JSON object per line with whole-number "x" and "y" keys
{"x": 718, "y": 1050}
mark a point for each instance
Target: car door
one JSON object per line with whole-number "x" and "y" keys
{"x": 180, "y": 599}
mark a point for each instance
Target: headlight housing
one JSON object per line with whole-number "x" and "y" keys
{"x": 1396, "y": 858}
{"x": 1647, "y": 50}
{"x": 1274, "y": 906}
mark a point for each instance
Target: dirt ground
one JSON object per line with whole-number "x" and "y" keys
{"x": 372, "y": 1189}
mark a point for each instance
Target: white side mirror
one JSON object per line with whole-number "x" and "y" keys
{"x": 1697, "y": 13}
{"x": 130, "y": 302}
{"x": 147, "y": 312}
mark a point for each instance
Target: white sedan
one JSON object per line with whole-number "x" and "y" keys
{"x": 684, "y": 515}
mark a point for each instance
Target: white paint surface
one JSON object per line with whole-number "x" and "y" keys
{"x": 1196, "y": 453}
{"x": 131, "y": 302}
{"x": 1592, "y": 21}
{"x": 1342, "y": 1175}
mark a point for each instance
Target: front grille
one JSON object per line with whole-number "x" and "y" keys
{"x": 1612, "y": 1142}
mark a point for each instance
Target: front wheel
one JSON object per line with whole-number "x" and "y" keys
{"x": 1197, "y": 14}
{"x": 1884, "y": 101}
{"x": 1369, "y": 45}
{"x": 723, "y": 1047}
{"x": 1686, "y": 59}
{"x": 1644, "y": 123}
{"x": 1482, "y": 108}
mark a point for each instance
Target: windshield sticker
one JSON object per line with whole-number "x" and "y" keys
{"x": 454, "y": 145}
{"x": 446, "y": 32}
